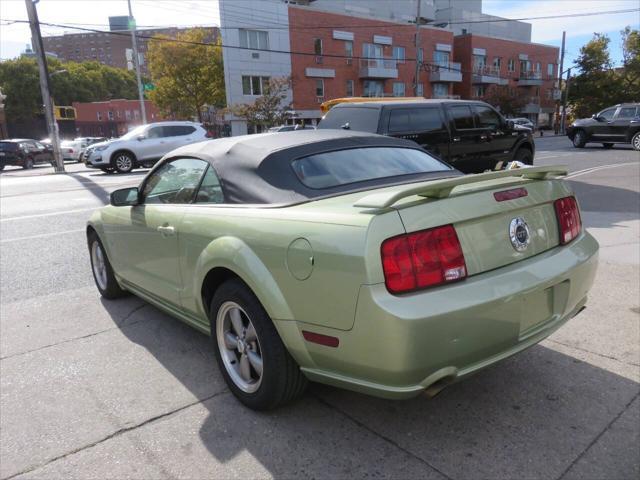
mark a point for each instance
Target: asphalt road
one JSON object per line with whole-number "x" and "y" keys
{"x": 98, "y": 389}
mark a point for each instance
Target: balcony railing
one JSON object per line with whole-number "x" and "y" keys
{"x": 446, "y": 72}
{"x": 378, "y": 68}
{"x": 530, "y": 78}
{"x": 488, "y": 74}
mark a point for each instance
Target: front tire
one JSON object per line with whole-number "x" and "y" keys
{"x": 28, "y": 164}
{"x": 254, "y": 362}
{"x": 579, "y": 139}
{"x": 635, "y": 141}
{"x": 123, "y": 162}
{"x": 524, "y": 155}
{"x": 102, "y": 271}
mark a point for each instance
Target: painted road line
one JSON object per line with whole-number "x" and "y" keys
{"x": 600, "y": 167}
{"x": 25, "y": 217}
{"x": 43, "y": 235}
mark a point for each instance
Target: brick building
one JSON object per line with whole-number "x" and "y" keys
{"x": 528, "y": 68}
{"x": 108, "y": 48}
{"x": 112, "y": 118}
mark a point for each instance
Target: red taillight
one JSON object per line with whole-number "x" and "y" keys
{"x": 569, "y": 222}
{"x": 422, "y": 259}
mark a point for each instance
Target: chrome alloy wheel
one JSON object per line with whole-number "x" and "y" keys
{"x": 124, "y": 163}
{"x": 99, "y": 265}
{"x": 636, "y": 141}
{"x": 578, "y": 138}
{"x": 239, "y": 347}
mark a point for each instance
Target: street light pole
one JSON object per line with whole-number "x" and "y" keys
{"x": 45, "y": 82}
{"x": 136, "y": 62}
{"x": 567, "y": 84}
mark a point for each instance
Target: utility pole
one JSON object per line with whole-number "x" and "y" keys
{"x": 565, "y": 99}
{"x": 560, "y": 71}
{"x": 418, "y": 61}
{"x": 136, "y": 62}
{"x": 45, "y": 84}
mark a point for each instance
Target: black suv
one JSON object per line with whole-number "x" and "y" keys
{"x": 24, "y": 153}
{"x": 617, "y": 124}
{"x": 472, "y": 136}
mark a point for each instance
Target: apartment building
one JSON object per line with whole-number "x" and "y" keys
{"x": 529, "y": 69}
{"x": 113, "y": 48}
{"x": 112, "y": 118}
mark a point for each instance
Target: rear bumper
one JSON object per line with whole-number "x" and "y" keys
{"x": 400, "y": 346}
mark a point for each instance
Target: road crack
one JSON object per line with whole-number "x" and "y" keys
{"x": 119, "y": 326}
{"x": 115, "y": 434}
{"x": 594, "y": 353}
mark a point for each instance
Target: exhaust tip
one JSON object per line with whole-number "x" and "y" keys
{"x": 435, "y": 388}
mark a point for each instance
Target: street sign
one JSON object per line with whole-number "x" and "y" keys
{"x": 148, "y": 87}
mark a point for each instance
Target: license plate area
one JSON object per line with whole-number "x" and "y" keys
{"x": 542, "y": 306}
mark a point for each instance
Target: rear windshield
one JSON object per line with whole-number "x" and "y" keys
{"x": 331, "y": 169}
{"x": 361, "y": 119}
{"x": 8, "y": 146}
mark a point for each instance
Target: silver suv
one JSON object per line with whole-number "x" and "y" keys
{"x": 143, "y": 146}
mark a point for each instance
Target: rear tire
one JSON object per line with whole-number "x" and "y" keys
{"x": 123, "y": 162}
{"x": 28, "y": 164}
{"x": 102, "y": 271}
{"x": 635, "y": 141}
{"x": 254, "y": 362}
{"x": 579, "y": 139}
{"x": 607, "y": 145}
{"x": 524, "y": 155}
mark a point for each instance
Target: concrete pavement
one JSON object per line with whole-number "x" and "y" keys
{"x": 95, "y": 389}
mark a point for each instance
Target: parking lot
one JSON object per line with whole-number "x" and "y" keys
{"x": 116, "y": 389}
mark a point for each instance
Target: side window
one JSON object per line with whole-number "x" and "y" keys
{"x": 178, "y": 130}
{"x": 487, "y": 118}
{"x": 414, "y": 119}
{"x": 626, "y": 113}
{"x": 156, "y": 132}
{"x": 607, "y": 114}
{"x": 174, "y": 182}
{"x": 210, "y": 190}
{"x": 462, "y": 116}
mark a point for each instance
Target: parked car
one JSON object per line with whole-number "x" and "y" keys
{"x": 74, "y": 149}
{"x": 143, "y": 146}
{"x": 290, "y": 128}
{"x": 24, "y": 153}
{"x": 524, "y": 122}
{"x": 346, "y": 258}
{"x": 617, "y": 124}
{"x": 472, "y": 136}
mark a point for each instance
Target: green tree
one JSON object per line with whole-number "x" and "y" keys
{"x": 270, "y": 109}
{"x": 187, "y": 76}
{"x": 506, "y": 99}
{"x": 630, "y": 71}
{"x": 70, "y": 82}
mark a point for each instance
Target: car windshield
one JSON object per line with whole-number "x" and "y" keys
{"x": 133, "y": 133}
{"x": 8, "y": 146}
{"x": 331, "y": 169}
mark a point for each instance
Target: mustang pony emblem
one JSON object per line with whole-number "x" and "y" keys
{"x": 519, "y": 234}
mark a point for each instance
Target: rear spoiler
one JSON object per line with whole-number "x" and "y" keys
{"x": 443, "y": 188}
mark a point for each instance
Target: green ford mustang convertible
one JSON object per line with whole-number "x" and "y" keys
{"x": 345, "y": 258}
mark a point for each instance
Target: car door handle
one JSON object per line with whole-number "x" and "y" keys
{"x": 456, "y": 139}
{"x": 166, "y": 230}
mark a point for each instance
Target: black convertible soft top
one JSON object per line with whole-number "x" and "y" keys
{"x": 256, "y": 169}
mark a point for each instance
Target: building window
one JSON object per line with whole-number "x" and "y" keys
{"x": 478, "y": 91}
{"x": 373, "y": 88}
{"x": 136, "y": 114}
{"x": 317, "y": 46}
{"x": 319, "y": 87}
{"x": 398, "y": 89}
{"x": 420, "y": 90}
{"x": 479, "y": 62}
{"x": 538, "y": 67}
{"x": 441, "y": 59}
{"x": 440, "y": 90}
{"x": 497, "y": 63}
{"x": 550, "y": 68}
{"x": 350, "y": 84}
{"x": 348, "y": 48}
{"x": 110, "y": 115}
{"x": 421, "y": 55}
{"x": 257, "y": 39}
{"x": 511, "y": 66}
{"x": 127, "y": 115}
{"x": 525, "y": 66}
{"x": 254, "y": 85}
{"x": 99, "y": 116}
{"x": 371, "y": 51}
{"x": 398, "y": 54}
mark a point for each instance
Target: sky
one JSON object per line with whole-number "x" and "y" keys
{"x": 14, "y": 38}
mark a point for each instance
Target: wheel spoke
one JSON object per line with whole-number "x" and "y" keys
{"x": 236, "y": 321}
{"x": 250, "y": 336}
{"x": 245, "y": 369}
{"x": 256, "y": 362}
{"x": 230, "y": 341}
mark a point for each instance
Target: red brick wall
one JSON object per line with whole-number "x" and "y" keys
{"x": 87, "y": 115}
{"x": 304, "y": 27}
{"x": 506, "y": 49}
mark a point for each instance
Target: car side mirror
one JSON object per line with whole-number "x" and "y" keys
{"x": 124, "y": 197}
{"x": 597, "y": 118}
{"x": 140, "y": 138}
{"x": 510, "y": 124}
